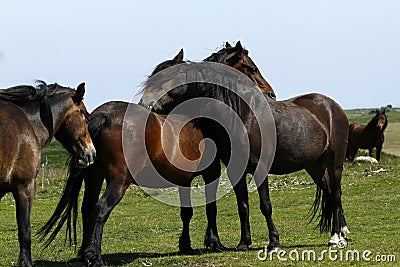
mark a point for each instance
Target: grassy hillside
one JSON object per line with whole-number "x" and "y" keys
{"x": 143, "y": 231}
{"x": 364, "y": 115}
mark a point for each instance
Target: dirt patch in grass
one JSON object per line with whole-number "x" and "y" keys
{"x": 392, "y": 139}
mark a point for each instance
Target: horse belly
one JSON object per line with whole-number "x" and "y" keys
{"x": 298, "y": 149}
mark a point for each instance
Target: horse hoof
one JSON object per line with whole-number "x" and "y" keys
{"x": 337, "y": 241}
{"x": 187, "y": 250}
{"x": 242, "y": 247}
{"x": 215, "y": 246}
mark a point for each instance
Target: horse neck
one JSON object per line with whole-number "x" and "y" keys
{"x": 42, "y": 133}
{"x": 371, "y": 127}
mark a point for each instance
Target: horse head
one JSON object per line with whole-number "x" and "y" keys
{"x": 382, "y": 120}
{"x": 237, "y": 57}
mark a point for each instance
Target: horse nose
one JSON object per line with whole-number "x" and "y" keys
{"x": 151, "y": 105}
{"x": 88, "y": 157}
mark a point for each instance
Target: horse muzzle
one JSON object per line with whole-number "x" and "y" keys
{"x": 88, "y": 156}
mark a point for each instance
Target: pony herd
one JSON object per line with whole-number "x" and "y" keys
{"x": 312, "y": 133}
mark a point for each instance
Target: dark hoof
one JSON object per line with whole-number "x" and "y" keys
{"x": 242, "y": 247}
{"x": 186, "y": 250}
{"x": 215, "y": 246}
{"x": 92, "y": 259}
{"x": 184, "y": 245}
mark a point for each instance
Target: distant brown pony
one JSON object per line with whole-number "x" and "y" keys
{"x": 29, "y": 118}
{"x": 367, "y": 136}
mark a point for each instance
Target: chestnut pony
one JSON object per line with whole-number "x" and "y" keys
{"x": 311, "y": 132}
{"x": 367, "y": 136}
{"x": 122, "y": 164}
{"x": 29, "y": 118}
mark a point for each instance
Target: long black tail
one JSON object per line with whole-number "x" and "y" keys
{"x": 67, "y": 207}
{"x": 325, "y": 213}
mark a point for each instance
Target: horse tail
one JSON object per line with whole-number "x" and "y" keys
{"x": 67, "y": 207}
{"x": 322, "y": 210}
{"x": 96, "y": 123}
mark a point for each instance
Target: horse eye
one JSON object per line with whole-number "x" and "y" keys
{"x": 253, "y": 70}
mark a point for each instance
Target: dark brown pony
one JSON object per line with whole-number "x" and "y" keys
{"x": 122, "y": 164}
{"x": 29, "y": 118}
{"x": 311, "y": 133}
{"x": 367, "y": 136}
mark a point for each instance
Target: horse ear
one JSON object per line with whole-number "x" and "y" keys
{"x": 383, "y": 111}
{"x": 377, "y": 111}
{"x": 178, "y": 57}
{"x": 228, "y": 45}
{"x": 80, "y": 92}
{"x": 239, "y": 47}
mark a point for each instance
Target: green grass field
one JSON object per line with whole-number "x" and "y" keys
{"x": 142, "y": 231}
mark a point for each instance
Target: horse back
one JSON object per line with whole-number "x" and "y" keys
{"x": 330, "y": 114}
{"x": 324, "y": 108}
{"x": 20, "y": 149}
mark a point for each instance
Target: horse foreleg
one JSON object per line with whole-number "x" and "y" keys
{"x": 23, "y": 200}
{"x": 242, "y": 200}
{"x": 378, "y": 152}
{"x": 210, "y": 176}
{"x": 114, "y": 192}
{"x": 186, "y": 215}
{"x": 370, "y": 152}
{"x": 266, "y": 210}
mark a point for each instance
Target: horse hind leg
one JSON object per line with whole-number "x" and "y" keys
{"x": 321, "y": 176}
{"x": 113, "y": 194}
{"x": 24, "y": 196}
{"x": 93, "y": 182}
{"x": 351, "y": 151}
{"x": 339, "y": 226}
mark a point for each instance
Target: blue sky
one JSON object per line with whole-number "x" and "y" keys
{"x": 348, "y": 50}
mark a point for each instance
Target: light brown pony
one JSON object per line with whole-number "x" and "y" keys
{"x": 367, "y": 136}
{"x": 29, "y": 118}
